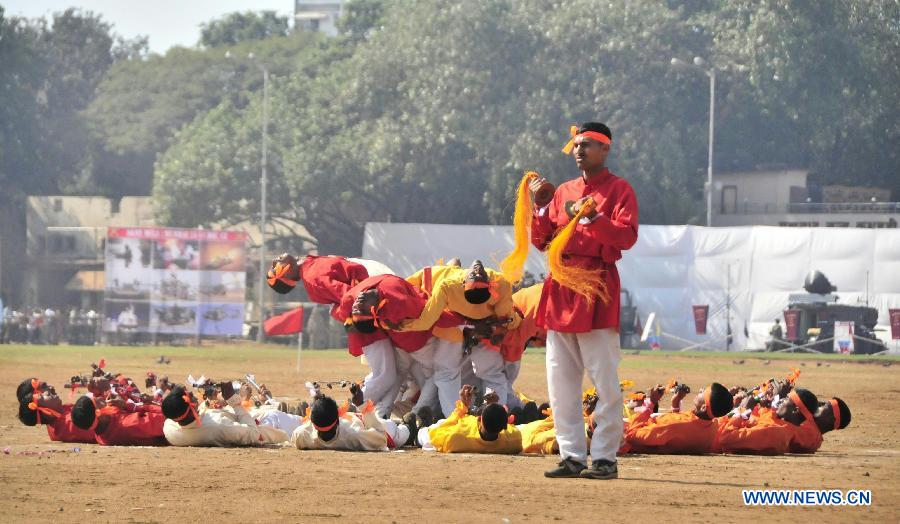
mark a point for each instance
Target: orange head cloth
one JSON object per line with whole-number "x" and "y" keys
{"x": 709, "y": 411}
{"x": 573, "y": 133}
{"x": 323, "y": 429}
{"x": 99, "y": 411}
{"x": 586, "y": 282}
{"x": 794, "y": 375}
{"x": 514, "y": 264}
{"x": 34, "y": 405}
{"x": 477, "y": 284}
{"x": 192, "y": 409}
{"x": 373, "y": 315}
{"x": 278, "y": 273}
{"x": 836, "y": 411}
{"x": 795, "y": 398}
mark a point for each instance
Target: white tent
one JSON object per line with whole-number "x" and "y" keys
{"x": 672, "y": 268}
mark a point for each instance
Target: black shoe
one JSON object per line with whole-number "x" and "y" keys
{"x": 567, "y": 469}
{"x": 410, "y": 421}
{"x": 601, "y": 469}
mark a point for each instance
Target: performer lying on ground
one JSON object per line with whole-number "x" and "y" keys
{"x": 461, "y": 432}
{"x": 114, "y": 426}
{"x": 330, "y": 427}
{"x": 39, "y": 404}
{"x": 186, "y": 427}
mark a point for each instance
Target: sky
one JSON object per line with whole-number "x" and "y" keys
{"x": 167, "y": 22}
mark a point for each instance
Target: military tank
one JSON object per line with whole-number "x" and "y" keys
{"x": 819, "y": 311}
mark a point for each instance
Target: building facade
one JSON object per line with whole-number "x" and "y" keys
{"x": 789, "y": 198}
{"x": 317, "y": 15}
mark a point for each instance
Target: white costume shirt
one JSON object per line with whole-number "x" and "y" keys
{"x": 356, "y": 432}
{"x": 217, "y": 428}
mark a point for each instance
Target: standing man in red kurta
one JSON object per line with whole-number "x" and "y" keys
{"x": 582, "y": 334}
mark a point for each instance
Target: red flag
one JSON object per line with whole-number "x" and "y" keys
{"x": 701, "y": 313}
{"x": 285, "y": 323}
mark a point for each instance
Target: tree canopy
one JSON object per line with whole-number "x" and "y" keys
{"x": 429, "y": 111}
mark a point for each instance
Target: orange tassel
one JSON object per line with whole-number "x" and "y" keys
{"x": 513, "y": 265}
{"x": 588, "y": 283}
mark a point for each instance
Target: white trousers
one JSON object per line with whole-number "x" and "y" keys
{"x": 280, "y": 420}
{"x": 420, "y": 365}
{"x": 398, "y": 432}
{"x": 448, "y": 359}
{"x": 569, "y": 356}
{"x": 381, "y": 385}
{"x": 511, "y": 369}
{"x": 488, "y": 366}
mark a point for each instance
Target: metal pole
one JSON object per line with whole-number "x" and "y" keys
{"x": 261, "y": 332}
{"x": 709, "y": 169}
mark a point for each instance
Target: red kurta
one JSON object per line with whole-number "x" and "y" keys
{"x": 526, "y": 302}
{"x": 142, "y": 428}
{"x": 669, "y": 434}
{"x": 403, "y": 301}
{"x": 595, "y": 245}
{"x": 327, "y": 279}
{"x": 62, "y": 429}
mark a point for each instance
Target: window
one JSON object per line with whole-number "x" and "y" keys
{"x": 729, "y": 200}
{"x": 57, "y": 205}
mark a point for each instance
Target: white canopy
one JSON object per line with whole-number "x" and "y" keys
{"x": 672, "y": 268}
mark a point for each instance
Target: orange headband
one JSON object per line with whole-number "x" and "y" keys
{"x": 190, "y": 409}
{"x": 795, "y": 398}
{"x": 34, "y": 406}
{"x": 836, "y": 411}
{"x": 709, "y": 411}
{"x": 477, "y": 284}
{"x": 323, "y": 429}
{"x": 373, "y": 315}
{"x": 594, "y": 135}
{"x": 278, "y": 273}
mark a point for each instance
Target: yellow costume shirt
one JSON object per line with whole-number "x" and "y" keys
{"x": 459, "y": 434}
{"x": 446, "y": 291}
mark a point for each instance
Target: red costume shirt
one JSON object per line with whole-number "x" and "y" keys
{"x": 597, "y": 244}
{"x": 141, "y": 428}
{"x": 402, "y": 301}
{"x": 62, "y": 429}
{"x": 327, "y": 279}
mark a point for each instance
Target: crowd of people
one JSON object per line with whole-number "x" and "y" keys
{"x": 49, "y": 326}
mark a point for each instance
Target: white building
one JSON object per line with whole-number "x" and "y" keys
{"x": 317, "y": 15}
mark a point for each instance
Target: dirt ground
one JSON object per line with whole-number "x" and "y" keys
{"x": 265, "y": 485}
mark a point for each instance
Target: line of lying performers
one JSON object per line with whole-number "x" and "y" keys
{"x": 773, "y": 418}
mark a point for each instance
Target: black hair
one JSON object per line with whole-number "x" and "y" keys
{"x": 530, "y": 412}
{"x": 281, "y": 287}
{"x": 25, "y": 392}
{"x": 720, "y": 400}
{"x": 27, "y": 415}
{"x": 845, "y": 412}
{"x": 174, "y": 405}
{"x": 365, "y": 326}
{"x": 808, "y": 398}
{"x": 477, "y": 296}
{"x": 83, "y": 413}
{"x": 324, "y": 412}
{"x": 494, "y": 418}
{"x": 598, "y": 127}
{"x": 542, "y": 410}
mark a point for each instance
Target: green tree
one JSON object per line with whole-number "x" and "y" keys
{"x": 234, "y": 28}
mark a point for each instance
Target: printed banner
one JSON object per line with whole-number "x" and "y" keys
{"x": 791, "y": 323}
{"x": 701, "y": 313}
{"x": 843, "y": 337}
{"x": 179, "y": 281}
{"x": 894, "y": 315}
